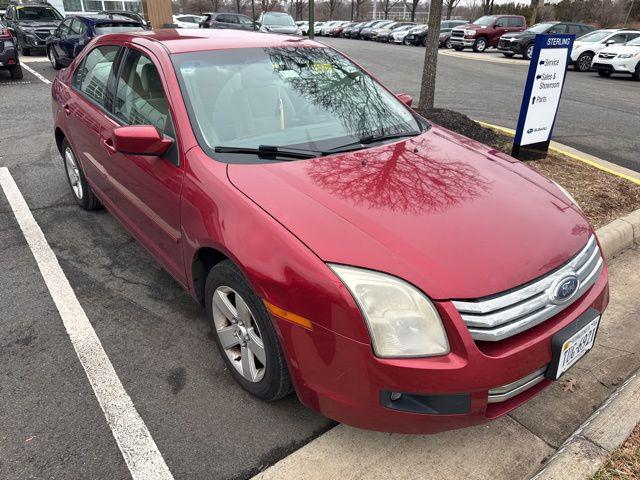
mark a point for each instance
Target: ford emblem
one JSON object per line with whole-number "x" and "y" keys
{"x": 564, "y": 288}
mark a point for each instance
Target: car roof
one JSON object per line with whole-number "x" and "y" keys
{"x": 198, "y": 40}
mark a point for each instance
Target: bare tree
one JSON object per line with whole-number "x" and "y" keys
{"x": 412, "y": 6}
{"x": 268, "y": 5}
{"x": 387, "y": 5}
{"x": 299, "y": 8}
{"x": 428, "y": 84}
{"x": 487, "y": 6}
{"x": 331, "y": 7}
{"x": 450, "y": 5}
{"x": 359, "y": 7}
{"x": 535, "y": 6}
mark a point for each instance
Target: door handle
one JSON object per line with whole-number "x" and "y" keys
{"x": 108, "y": 145}
{"x": 67, "y": 109}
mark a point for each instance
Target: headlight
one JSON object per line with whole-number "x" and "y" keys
{"x": 567, "y": 194}
{"x": 627, "y": 55}
{"x": 402, "y": 321}
{"x": 469, "y": 32}
{"x": 299, "y": 31}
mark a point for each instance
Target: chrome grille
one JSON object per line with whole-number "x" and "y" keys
{"x": 607, "y": 55}
{"x": 43, "y": 34}
{"x": 510, "y": 390}
{"x": 505, "y": 315}
{"x": 457, "y": 33}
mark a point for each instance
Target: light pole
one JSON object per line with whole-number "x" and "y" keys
{"x": 312, "y": 15}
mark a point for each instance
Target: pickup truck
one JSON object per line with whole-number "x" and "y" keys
{"x": 485, "y": 32}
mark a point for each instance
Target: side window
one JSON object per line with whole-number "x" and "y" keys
{"x": 140, "y": 97}
{"x": 515, "y": 22}
{"x": 245, "y": 20}
{"x": 77, "y": 27}
{"x": 501, "y": 22}
{"x": 64, "y": 27}
{"x": 631, "y": 36}
{"x": 558, "y": 29}
{"x": 92, "y": 75}
{"x": 618, "y": 38}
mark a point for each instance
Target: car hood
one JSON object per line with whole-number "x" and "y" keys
{"x": 516, "y": 35}
{"x": 618, "y": 49}
{"x": 30, "y": 24}
{"x": 439, "y": 210}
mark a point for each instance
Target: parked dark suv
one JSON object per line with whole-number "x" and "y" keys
{"x": 31, "y": 24}
{"x": 227, "y": 20}
{"x": 485, "y": 32}
{"x": 521, "y": 43}
{"x": 9, "y": 53}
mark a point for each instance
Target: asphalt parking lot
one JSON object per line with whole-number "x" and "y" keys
{"x": 599, "y": 116}
{"x": 154, "y": 334}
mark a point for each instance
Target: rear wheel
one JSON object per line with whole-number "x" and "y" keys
{"x": 77, "y": 181}
{"x": 424, "y": 41}
{"x": 16, "y": 72}
{"x": 480, "y": 45}
{"x": 604, "y": 73}
{"x": 528, "y": 52}
{"x": 583, "y": 63}
{"x": 245, "y": 335}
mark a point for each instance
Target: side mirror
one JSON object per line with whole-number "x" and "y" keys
{"x": 609, "y": 42}
{"x": 140, "y": 140}
{"x": 406, "y": 99}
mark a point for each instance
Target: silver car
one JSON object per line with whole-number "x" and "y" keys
{"x": 278, "y": 22}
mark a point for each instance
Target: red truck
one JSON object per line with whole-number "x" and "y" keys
{"x": 486, "y": 31}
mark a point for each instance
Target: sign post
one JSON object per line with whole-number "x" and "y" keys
{"x": 547, "y": 73}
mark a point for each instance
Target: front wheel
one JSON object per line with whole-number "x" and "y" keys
{"x": 528, "y": 52}
{"x": 583, "y": 64}
{"x": 55, "y": 63}
{"x": 480, "y": 45}
{"x": 636, "y": 74}
{"x": 77, "y": 181}
{"x": 245, "y": 334}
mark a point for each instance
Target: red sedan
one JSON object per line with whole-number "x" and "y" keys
{"x": 398, "y": 276}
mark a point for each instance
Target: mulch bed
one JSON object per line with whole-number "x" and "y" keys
{"x": 623, "y": 463}
{"x": 602, "y": 196}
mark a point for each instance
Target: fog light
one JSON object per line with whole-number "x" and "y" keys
{"x": 393, "y": 396}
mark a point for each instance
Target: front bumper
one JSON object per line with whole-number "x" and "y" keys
{"x": 510, "y": 47}
{"x": 462, "y": 42}
{"x": 343, "y": 380}
{"x": 615, "y": 65}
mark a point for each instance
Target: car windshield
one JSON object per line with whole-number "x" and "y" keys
{"x": 485, "y": 21}
{"x": 38, "y": 13}
{"x": 309, "y": 98}
{"x": 595, "y": 36}
{"x": 114, "y": 27}
{"x": 540, "y": 28}
{"x": 278, "y": 20}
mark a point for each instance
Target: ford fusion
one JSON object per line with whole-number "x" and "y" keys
{"x": 396, "y": 275}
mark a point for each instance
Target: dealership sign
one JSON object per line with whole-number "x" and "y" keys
{"x": 547, "y": 73}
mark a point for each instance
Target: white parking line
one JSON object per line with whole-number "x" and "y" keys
{"x": 37, "y": 75}
{"x": 134, "y": 440}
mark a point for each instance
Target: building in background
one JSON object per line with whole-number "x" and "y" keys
{"x": 95, "y": 6}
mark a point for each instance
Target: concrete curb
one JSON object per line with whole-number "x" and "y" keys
{"x": 582, "y": 454}
{"x": 620, "y": 234}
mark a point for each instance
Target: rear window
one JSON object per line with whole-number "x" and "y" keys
{"x": 116, "y": 27}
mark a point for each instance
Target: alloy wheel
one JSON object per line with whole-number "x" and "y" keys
{"x": 584, "y": 62}
{"x": 448, "y": 44}
{"x": 71, "y": 166}
{"x": 529, "y": 52}
{"x": 239, "y": 334}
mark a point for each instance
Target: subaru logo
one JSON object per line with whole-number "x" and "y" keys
{"x": 564, "y": 288}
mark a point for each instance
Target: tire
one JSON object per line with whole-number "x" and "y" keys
{"x": 604, "y": 73}
{"x": 583, "y": 63}
{"x": 508, "y": 54}
{"x": 448, "y": 44}
{"x": 458, "y": 48}
{"x": 480, "y": 45}
{"x": 16, "y": 72}
{"x": 636, "y": 74}
{"x": 81, "y": 190}
{"x": 24, "y": 50}
{"x": 269, "y": 380}
{"x": 527, "y": 53}
{"x": 424, "y": 41}
{"x": 53, "y": 58}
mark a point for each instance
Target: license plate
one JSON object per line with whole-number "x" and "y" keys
{"x": 571, "y": 343}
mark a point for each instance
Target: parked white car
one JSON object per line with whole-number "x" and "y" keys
{"x": 187, "y": 21}
{"x": 619, "y": 59}
{"x": 588, "y": 46}
{"x": 398, "y": 35}
{"x": 326, "y": 26}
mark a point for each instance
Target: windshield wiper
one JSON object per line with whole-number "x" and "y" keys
{"x": 368, "y": 139}
{"x": 270, "y": 151}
